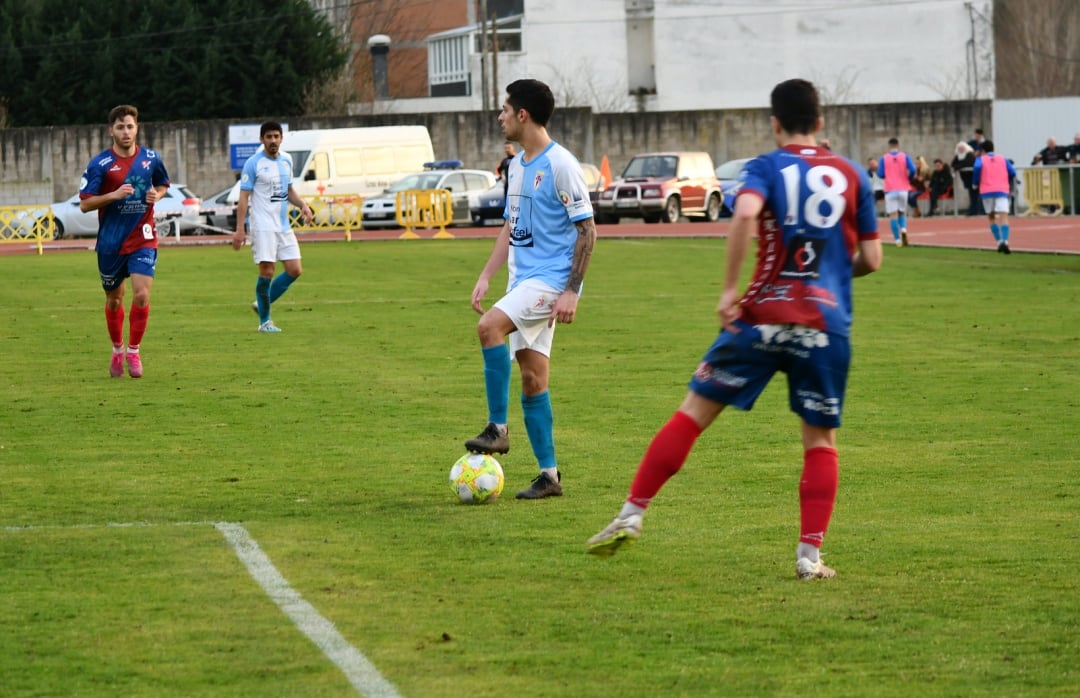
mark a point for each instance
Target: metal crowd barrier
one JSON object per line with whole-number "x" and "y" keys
{"x": 27, "y": 224}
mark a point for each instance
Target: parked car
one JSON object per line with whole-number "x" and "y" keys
{"x": 465, "y": 187}
{"x": 218, "y": 211}
{"x": 491, "y": 203}
{"x": 179, "y": 207}
{"x": 664, "y": 186}
{"x": 728, "y": 174}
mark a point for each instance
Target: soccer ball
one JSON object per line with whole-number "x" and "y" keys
{"x": 476, "y": 478}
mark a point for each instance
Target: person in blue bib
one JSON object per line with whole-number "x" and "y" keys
{"x": 545, "y": 243}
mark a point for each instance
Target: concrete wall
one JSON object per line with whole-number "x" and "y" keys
{"x": 36, "y": 161}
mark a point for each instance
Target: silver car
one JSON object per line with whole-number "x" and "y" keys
{"x": 180, "y": 208}
{"x": 465, "y": 187}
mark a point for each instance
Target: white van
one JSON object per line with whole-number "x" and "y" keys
{"x": 353, "y": 161}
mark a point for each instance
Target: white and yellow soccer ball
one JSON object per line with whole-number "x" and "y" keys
{"x": 476, "y": 478}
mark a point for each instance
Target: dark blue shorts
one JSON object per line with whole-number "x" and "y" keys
{"x": 114, "y": 268}
{"x": 739, "y": 365}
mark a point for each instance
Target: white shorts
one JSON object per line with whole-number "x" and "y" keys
{"x": 274, "y": 247}
{"x": 996, "y": 204}
{"x": 529, "y": 306}
{"x": 895, "y": 201}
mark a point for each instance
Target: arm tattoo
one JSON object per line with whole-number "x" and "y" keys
{"x": 582, "y": 253}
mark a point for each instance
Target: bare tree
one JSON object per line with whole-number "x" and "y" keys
{"x": 577, "y": 86}
{"x": 1037, "y": 47}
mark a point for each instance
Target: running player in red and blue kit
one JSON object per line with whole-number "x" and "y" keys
{"x": 817, "y": 228}
{"x": 122, "y": 184}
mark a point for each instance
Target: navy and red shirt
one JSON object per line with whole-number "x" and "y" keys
{"x": 126, "y": 225}
{"x": 818, "y": 206}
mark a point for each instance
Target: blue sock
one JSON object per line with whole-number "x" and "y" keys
{"x": 262, "y": 297}
{"x": 281, "y": 284}
{"x": 902, "y": 220}
{"x": 895, "y": 225}
{"x": 1004, "y": 233}
{"x": 996, "y": 230}
{"x": 497, "y": 382}
{"x": 540, "y": 425}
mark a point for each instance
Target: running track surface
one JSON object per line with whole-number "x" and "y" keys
{"x": 1060, "y": 235}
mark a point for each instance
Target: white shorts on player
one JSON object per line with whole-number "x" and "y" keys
{"x": 996, "y": 204}
{"x": 896, "y": 201}
{"x": 529, "y": 306}
{"x": 274, "y": 246}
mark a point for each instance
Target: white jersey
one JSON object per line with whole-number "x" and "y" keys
{"x": 268, "y": 179}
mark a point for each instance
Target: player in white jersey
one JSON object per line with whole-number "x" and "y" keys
{"x": 266, "y": 191}
{"x": 546, "y": 243}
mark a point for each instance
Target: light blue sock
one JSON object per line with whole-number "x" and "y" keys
{"x": 540, "y": 425}
{"x": 902, "y": 220}
{"x": 996, "y": 230}
{"x": 262, "y": 297}
{"x": 281, "y": 284}
{"x": 497, "y": 381}
{"x": 895, "y": 225}
{"x": 1004, "y": 233}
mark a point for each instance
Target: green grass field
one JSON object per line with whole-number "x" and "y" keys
{"x": 956, "y": 533}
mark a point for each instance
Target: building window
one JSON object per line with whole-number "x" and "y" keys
{"x": 640, "y": 58}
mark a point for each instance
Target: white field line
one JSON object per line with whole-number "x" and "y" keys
{"x": 361, "y": 673}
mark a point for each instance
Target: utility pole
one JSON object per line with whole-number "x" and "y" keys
{"x": 482, "y": 12}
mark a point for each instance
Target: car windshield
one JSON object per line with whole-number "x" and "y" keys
{"x": 424, "y": 180}
{"x": 652, "y": 166}
{"x": 299, "y": 159}
{"x": 730, "y": 169}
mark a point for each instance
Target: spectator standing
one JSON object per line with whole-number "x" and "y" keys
{"x": 1073, "y": 150}
{"x": 994, "y": 175}
{"x": 963, "y": 164}
{"x": 1052, "y": 154}
{"x": 977, "y": 143}
{"x": 266, "y": 190}
{"x": 941, "y": 183}
{"x": 122, "y": 184}
{"x": 504, "y": 164}
{"x": 897, "y": 169}
{"x": 794, "y": 318}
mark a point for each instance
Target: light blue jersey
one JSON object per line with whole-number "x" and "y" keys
{"x": 545, "y": 198}
{"x": 268, "y": 179}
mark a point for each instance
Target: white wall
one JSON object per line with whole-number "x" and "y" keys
{"x": 712, "y": 55}
{"x": 1021, "y": 126}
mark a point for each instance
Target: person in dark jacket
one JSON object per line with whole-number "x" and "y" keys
{"x": 963, "y": 163}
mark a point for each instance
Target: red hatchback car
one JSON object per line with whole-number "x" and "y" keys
{"x": 664, "y": 187}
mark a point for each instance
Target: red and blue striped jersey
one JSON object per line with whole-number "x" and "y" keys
{"x": 818, "y": 206}
{"x": 126, "y": 225}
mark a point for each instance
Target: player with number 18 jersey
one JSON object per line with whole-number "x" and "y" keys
{"x": 818, "y": 206}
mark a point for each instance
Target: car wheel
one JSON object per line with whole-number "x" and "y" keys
{"x": 712, "y": 210}
{"x": 672, "y": 210}
{"x": 58, "y": 234}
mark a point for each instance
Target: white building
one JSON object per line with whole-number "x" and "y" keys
{"x": 673, "y": 55}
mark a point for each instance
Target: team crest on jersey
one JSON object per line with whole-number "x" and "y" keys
{"x": 145, "y": 164}
{"x": 565, "y": 198}
{"x": 803, "y": 258}
{"x": 538, "y": 180}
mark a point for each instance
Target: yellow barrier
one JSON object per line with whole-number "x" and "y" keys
{"x": 330, "y": 213}
{"x": 424, "y": 208}
{"x": 27, "y": 224}
{"x": 1042, "y": 187}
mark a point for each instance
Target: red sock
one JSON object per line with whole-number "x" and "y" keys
{"x": 664, "y": 457}
{"x": 114, "y": 320}
{"x": 817, "y": 493}
{"x": 137, "y": 324}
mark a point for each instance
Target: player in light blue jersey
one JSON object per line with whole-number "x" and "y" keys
{"x": 546, "y": 243}
{"x": 266, "y": 191}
